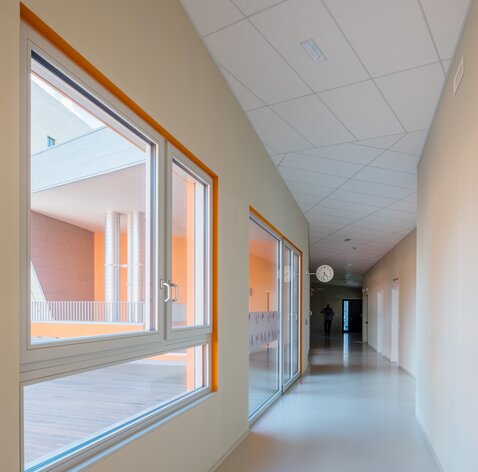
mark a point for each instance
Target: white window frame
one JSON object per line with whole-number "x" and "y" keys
{"x": 174, "y": 155}
{"x": 43, "y": 361}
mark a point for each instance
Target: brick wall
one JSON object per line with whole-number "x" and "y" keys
{"x": 62, "y": 255}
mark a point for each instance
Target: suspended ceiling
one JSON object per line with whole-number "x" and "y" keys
{"x": 346, "y": 133}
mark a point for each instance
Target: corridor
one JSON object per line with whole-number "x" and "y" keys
{"x": 354, "y": 412}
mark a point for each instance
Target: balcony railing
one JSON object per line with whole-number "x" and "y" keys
{"x": 87, "y": 312}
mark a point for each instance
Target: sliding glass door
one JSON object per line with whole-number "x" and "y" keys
{"x": 274, "y": 315}
{"x": 290, "y": 315}
{"x": 264, "y": 320}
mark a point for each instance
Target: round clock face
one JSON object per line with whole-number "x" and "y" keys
{"x": 324, "y": 273}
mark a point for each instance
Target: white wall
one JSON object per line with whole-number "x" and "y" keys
{"x": 447, "y": 255}
{"x": 9, "y": 234}
{"x": 150, "y": 50}
{"x": 399, "y": 263}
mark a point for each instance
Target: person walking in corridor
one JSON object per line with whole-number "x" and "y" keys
{"x": 328, "y": 317}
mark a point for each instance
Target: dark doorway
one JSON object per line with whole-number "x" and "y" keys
{"x": 352, "y": 315}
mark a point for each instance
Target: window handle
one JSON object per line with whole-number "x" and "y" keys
{"x": 163, "y": 284}
{"x": 176, "y": 292}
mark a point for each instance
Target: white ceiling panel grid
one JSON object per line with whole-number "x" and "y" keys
{"x": 414, "y": 94}
{"x": 445, "y": 18}
{"x": 318, "y": 164}
{"x": 347, "y": 152}
{"x": 252, "y": 60}
{"x": 274, "y": 131}
{"x": 388, "y": 35}
{"x": 211, "y": 15}
{"x": 312, "y": 178}
{"x": 244, "y": 96}
{"x": 393, "y": 160}
{"x": 345, "y": 131}
{"x": 411, "y": 143}
{"x": 292, "y": 22}
{"x": 313, "y": 120}
{"x": 388, "y": 177}
{"x": 249, "y": 7}
{"x": 363, "y": 110}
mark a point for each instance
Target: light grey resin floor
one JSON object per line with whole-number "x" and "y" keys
{"x": 353, "y": 413}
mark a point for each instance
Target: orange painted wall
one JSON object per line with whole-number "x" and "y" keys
{"x": 262, "y": 279}
{"x": 77, "y": 330}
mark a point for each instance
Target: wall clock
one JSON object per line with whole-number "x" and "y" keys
{"x": 324, "y": 273}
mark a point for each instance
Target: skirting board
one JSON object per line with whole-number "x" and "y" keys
{"x": 226, "y": 454}
{"x": 427, "y": 440}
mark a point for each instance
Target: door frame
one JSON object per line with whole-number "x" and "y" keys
{"x": 349, "y": 299}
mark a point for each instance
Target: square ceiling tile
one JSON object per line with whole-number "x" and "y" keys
{"x": 322, "y": 209}
{"x": 405, "y": 216}
{"x": 349, "y": 104}
{"x": 388, "y": 35}
{"x": 249, "y": 7}
{"x": 276, "y": 132}
{"x": 346, "y": 152}
{"x": 246, "y": 98}
{"x": 388, "y": 177}
{"x": 404, "y": 205}
{"x": 310, "y": 117}
{"x": 311, "y": 178}
{"x": 210, "y": 15}
{"x": 445, "y": 18}
{"x": 397, "y": 161}
{"x": 384, "y": 142}
{"x": 359, "y": 209}
{"x": 290, "y": 23}
{"x": 269, "y": 150}
{"x": 315, "y": 190}
{"x": 277, "y": 159}
{"x": 306, "y": 198}
{"x": 318, "y": 164}
{"x": 411, "y": 143}
{"x": 241, "y": 50}
{"x": 362, "y": 198}
{"x": 376, "y": 189}
{"x": 414, "y": 94}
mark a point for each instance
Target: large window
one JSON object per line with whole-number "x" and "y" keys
{"x": 117, "y": 323}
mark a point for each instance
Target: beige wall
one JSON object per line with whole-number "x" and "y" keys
{"x": 398, "y": 264}
{"x": 332, "y": 295}
{"x": 9, "y": 234}
{"x": 447, "y": 384}
{"x": 62, "y": 255}
{"x": 151, "y": 51}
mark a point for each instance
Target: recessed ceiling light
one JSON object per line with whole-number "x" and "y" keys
{"x": 311, "y": 48}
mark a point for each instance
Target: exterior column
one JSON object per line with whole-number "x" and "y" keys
{"x": 112, "y": 264}
{"x": 136, "y": 235}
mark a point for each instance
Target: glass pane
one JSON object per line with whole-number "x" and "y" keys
{"x": 188, "y": 250}
{"x": 264, "y": 320}
{"x": 66, "y": 414}
{"x": 89, "y": 216}
{"x": 295, "y": 314}
{"x": 287, "y": 313}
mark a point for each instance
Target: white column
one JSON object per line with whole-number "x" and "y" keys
{"x": 112, "y": 262}
{"x": 136, "y": 248}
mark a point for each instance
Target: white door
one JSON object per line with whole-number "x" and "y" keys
{"x": 380, "y": 321}
{"x": 395, "y": 324}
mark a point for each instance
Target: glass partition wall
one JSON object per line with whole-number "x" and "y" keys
{"x": 274, "y": 316}
{"x": 264, "y": 320}
{"x": 290, "y": 315}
